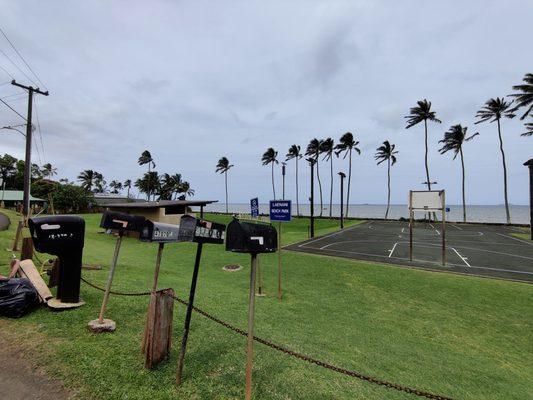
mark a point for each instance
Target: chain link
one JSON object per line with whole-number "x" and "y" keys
{"x": 323, "y": 364}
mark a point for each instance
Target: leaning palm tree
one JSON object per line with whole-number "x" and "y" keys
{"x": 269, "y": 157}
{"x": 313, "y": 151}
{"x": 326, "y": 148}
{"x": 524, "y": 99}
{"x": 87, "y": 178}
{"x": 422, "y": 112}
{"x": 294, "y": 152}
{"x": 494, "y": 110}
{"x": 116, "y": 186}
{"x": 386, "y": 152}
{"x": 223, "y": 167}
{"x": 48, "y": 171}
{"x": 529, "y": 129}
{"x": 453, "y": 140}
{"x": 127, "y": 185}
{"x": 346, "y": 145}
{"x": 146, "y": 158}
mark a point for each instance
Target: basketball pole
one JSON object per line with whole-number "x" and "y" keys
{"x": 410, "y": 225}
{"x": 443, "y": 228}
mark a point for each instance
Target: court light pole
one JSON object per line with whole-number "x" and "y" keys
{"x": 529, "y": 164}
{"x": 312, "y": 197}
{"x": 342, "y": 175}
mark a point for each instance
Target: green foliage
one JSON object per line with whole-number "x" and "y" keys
{"x": 71, "y": 198}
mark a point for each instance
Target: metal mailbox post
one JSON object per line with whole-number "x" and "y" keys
{"x": 199, "y": 231}
{"x": 252, "y": 238}
{"x": 121, "y": 222}
{"x": 64, "y": 237}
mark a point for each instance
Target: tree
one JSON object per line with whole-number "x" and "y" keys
{"x": 100, "y": 184}
{"x": 422, "y": 112}
{"x": 313, "y": 151}
{"x": 294, "y": 152}
{"x": 7, "y": 166}
{"x": 525, "y": 98}
{"x": 326, "y": 147}
{"x": 127, "y": 185}
{"x": 48, "y": 171}
{"x": 146, "y": 158}
{"x": 71, "y": 198}
{"x": 453, "y": 141}
{"x": 494, "y": 110}
{"x": 386, "y": 152}
{"x": 269, "y": 157}
{"x": 186, "y": 190}
{"x": 149, "y": 183}
{"x": 223, "y": 167}
{"x": 529, "y": 129}
{"x": 346, "y": 145}
{"x": 87, "y": 178}
{"x": 116, "y": 186}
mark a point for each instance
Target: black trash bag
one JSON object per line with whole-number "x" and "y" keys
{"x": 17, "y": 297}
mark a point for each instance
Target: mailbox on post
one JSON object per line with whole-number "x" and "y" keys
{"x": 159, "y": 233}
{"x": 253, "y": 238}
{"x": 200, "y": 231}
{"x": 62, "y": 236}
{"x": 120, "y": 222}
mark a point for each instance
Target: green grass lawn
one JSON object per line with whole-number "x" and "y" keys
{"x": 460, "y": 336}
{"x": 524, "y": 234}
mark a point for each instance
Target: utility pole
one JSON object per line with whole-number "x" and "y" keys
{"x": 342, "y": 175}
{"x": 283, "y": 177}
{"x": 27, "y": 160}
{"x": 529, "y": 164}
{"x": 312, "y": 198}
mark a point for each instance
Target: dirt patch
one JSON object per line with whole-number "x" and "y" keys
{"x": 19, "y": 378}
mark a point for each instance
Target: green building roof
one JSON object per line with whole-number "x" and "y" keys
{"x": 16, "y": 195}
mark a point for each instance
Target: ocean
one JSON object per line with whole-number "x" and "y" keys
{"x": 475, "y": 213}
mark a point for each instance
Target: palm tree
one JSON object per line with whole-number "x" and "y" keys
{"x": 169, "y": 186}
{"x": 524, "y": 99}
{"x": 99, "y": 183}
{"x": 422, "y": 112}
{"x": 127, "y": 184}
{"x": 87, "y": 179}
{"x": 453, "y": 140}
{"x": 326, "y": 148}
{"x": 346, "y": 145}
{"x": 186, "y": 190}
{"x": 494, "y": 110}
{"x": 48, "y": 171}
{"x": 116, "y": 186}
{"x": 149, "y": 183}
{"x": 269, "y": 157}
{"x": 529, "y": 129}
{"x": 294, "y": 152}
{"x": 386, "y": 152}
{"x": 146, "y": 158}
{"x": 313, "y": 151}
{"x": 223, "y": 167}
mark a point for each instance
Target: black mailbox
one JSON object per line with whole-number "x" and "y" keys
{"x": 122, "y": 222}
{"x": 201, "y": 231}
{"x": 62, "y": 236}
{"x": 159, "y": 232}
{"x": 251, "y": 237}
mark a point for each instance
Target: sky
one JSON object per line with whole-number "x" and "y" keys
{"x": 192, "y": 81}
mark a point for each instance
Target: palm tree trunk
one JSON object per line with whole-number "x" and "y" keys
{"x": 273, "y": 187}
{"x": 388, "y": 188}
{"x": 297, "y": 201}
{"x": 319, "y": 187}
{"x": 463, "y": 183}
{"x": 507, "y": 214}
{"x": 331, "y": 185}
{"x": 226, "y": 184}
{"x": 349, "y": 183}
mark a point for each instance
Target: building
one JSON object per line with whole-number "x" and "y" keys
{"x": 166, "y": 211}
{"x": 104, "y": 199}
{"x": 14, "y": 198}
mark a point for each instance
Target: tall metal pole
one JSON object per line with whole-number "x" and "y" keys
{"x": 27, "y": 159}
{"x": 529, "y": 164}
{"x": 443, "y": 228}
{"x": 312, "y": 198}
{"x": 283, "y": 178}
{"x": 342, "y": 175}
{"x": 189, "y": 313}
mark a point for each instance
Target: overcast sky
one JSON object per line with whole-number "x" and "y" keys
{"x": 192, "y": 81}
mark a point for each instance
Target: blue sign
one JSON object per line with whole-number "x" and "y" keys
{"x": 280, "y": 210}
{"x": 447, "y": 209}
{"x": 254, "y": 207}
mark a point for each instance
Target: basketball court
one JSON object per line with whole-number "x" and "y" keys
{"x": 470, "y": 249}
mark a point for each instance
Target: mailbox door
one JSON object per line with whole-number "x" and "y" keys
{"x": 57, "y": 234}
{"x": 121, "y": 221}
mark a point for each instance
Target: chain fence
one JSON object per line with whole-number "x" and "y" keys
{"x": 272, "y": 345}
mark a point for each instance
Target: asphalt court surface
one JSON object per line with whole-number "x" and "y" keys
{"x": 470, "y": 249}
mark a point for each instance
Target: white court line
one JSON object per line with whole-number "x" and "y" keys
{"x": 510, "y": 237}
{"x": 403, "y": 230}
{"x": 392, "y": 250}
{"x": 455, "y": 226}
{"x": 432, "y": 226}
{"x": 461, "y": 257}
{"x": 328, "y": 236}
{"x": 438, "y": 233}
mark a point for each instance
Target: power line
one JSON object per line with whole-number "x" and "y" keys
{"x": 22, "y": 58}
{"x": 17, "y": 67}
{"x": 7, "y": 72}
{"x": 39, "y": 129}
{"x": 12, "y": 109}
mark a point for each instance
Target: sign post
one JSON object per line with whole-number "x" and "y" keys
{"x": 280, "y": 211}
